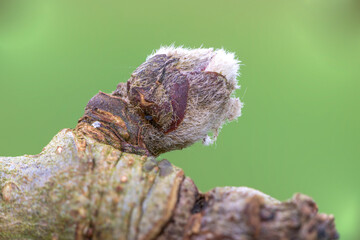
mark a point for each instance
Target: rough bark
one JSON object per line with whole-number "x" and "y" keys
{"x": 79, "y": 188}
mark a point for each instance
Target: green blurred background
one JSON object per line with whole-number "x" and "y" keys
{"x": 300, "y": 83}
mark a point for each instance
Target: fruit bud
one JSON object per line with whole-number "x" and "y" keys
{"x": 176, "y": 98}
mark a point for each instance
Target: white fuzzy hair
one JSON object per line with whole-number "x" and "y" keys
{"x": 199, "y": 121}
{"x": 219, "y": 60}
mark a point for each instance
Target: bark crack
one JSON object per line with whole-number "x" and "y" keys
{"x": 142, "y": 208}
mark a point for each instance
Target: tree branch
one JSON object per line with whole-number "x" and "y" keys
{"x": 78, "y": 188}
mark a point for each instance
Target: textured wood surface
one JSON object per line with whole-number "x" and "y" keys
{"x": 78, "y": 188}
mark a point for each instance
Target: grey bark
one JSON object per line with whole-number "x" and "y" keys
{"x": 78, "y": 188}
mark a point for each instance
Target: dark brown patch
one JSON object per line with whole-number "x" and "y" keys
{"x": 200, "y": 204}
{"x": 252, "y": 210}
{"x": 179, "y": 96}
{"x": 108, "y": 103}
